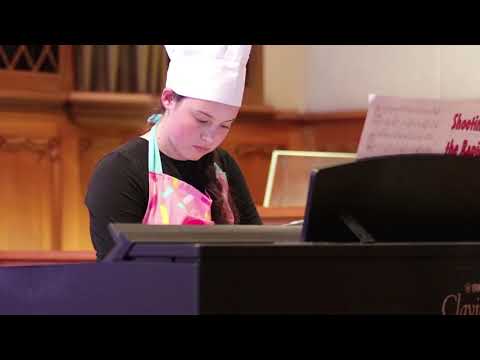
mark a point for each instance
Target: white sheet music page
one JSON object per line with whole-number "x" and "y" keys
{"x": 397, "y": 125}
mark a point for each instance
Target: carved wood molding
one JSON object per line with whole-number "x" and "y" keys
{"x": 320, "y": 117}
{"x": 82, "y": 103}
{"x": 45, "y": 257}
{"x": 42, "y": 147}
{"x": 84, "y": 106}
{"x": 26, "y": 101}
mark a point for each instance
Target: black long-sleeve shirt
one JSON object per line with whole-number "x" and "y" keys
{"x": 118, "y": 189}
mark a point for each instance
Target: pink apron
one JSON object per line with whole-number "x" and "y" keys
{"x": 173, "y": 201}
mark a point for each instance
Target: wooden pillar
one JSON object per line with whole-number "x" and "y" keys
{"x": 70, "y": 190}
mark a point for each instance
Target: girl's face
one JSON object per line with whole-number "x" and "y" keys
{"x": 191, "y": 128}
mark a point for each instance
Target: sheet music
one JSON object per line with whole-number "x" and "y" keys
{"x": 406, "y": 126}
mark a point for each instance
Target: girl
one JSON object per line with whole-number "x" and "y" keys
{"x": 176, "y": 173}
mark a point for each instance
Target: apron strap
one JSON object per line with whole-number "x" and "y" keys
{"x": 154, "y": 160}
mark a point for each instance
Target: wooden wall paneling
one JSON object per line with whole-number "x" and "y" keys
{"x": 70, "y": 187}
{"x": 92, "y": 148}
{"x": 56, "y": 241}
{"x": 251, "y": 142}
{"x": 336, "y": 132}
{"x": 27, "y": 154}
{"x": 279, "y": 216}
{"x": 19, "y": 80}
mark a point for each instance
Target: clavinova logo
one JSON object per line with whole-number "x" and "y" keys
{"x": 466, "y": 302}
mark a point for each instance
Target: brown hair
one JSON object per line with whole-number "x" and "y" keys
{"x": 206, "y": 166}
{"x": 214, "y": 189}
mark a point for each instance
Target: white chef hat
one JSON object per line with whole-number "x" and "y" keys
{"x": 208, "y": 72}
